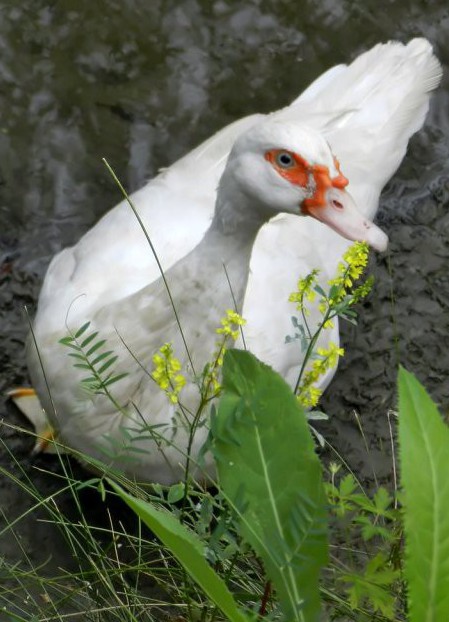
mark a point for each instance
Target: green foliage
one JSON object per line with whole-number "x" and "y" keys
{"x": 188, "y": 549}
{"x": 369, "y": 514}
{"x": 372, "y": 582}
{"x": 90, "y": 355}
{"x": 373, "y": 586}
{"x": 424, "y": 443}
{"x": 271, "y": 476}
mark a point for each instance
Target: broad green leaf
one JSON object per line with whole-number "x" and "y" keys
{"x": 188, "y": 550}
{"x": 424, "y": 452}
{"x": 270, "y": 474}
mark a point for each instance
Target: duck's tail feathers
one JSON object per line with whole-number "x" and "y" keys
{"x": 387, "y": 85}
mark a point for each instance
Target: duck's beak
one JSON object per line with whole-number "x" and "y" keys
{"x": 340, "y": 213}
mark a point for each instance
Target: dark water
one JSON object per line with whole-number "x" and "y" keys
{"x": 142, "y": 82}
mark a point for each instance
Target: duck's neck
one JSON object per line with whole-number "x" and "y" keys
{"x": 236, "y": 214}
{"x": 203, "y": 285}
{"x": 228, "y": 243}
{"x": 221, "y": 259}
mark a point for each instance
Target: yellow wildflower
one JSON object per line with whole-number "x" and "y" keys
{"x": 166, "y": 372}
{"x": 362, "y": 290}
{"x": 308, "y": 394}
{"x": 330, "y": 356}
{"x": 351, "y": 268}
{"x": 230, "y": 324}
{"x": 322, "y": 307}
{"x": 230, "y": 329}
{"x": 304, "y": 291}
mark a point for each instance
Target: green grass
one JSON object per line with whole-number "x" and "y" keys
{"x": 125, "y": 573}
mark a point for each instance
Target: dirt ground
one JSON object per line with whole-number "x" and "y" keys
{"x": 405, "y": 320}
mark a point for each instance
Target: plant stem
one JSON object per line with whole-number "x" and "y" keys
{"x": 265, "y": 599}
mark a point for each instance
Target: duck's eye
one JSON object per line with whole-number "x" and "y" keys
{"x": 284, "y": 159}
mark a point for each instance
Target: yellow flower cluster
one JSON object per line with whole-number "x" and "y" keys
{"x": 230, "y": 328}
{"x": 166, "y": 372}
{"x": 309, "y": 395}
{"x": 230, "y": 324}
{"x": 305, "y": 291}
{"x": 351, "y": 268}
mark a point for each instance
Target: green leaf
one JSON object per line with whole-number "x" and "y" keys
{"x": 373, "y": 586}
{"x": 270, "y": 474}
{"x": 67, "y": 341}
{"x": 82, "y": 330}
{"x": 95, "y": 347}
{"x": 106, "y": 365}
{"x": 424, "y": 452}
{"x": 88, "y": 339}
{"x": 175, "y": 492}
{"x": 89, "y": 379}
{"x": 101, "y": 357}
{"x": 320, "y": 291}
{"x": 348, "y": 485}
{"x": 113, "y": 379}
{"x": 188, "y": 550}
{"x": 77, "y": 355}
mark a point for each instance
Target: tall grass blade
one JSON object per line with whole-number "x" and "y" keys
{"x": 188, "y": 550}
{"x": 424, "y": 459}
{"x": 270, "y": 473}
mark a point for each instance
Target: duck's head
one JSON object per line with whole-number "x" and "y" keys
{"x": 287, "y": 167}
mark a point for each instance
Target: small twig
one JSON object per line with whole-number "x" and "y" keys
{"x": 265, "y": 599}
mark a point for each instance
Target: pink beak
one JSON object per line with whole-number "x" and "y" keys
{"x": 340, "y": 213}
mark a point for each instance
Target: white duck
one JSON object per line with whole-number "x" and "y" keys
{"x": 364, "y": 112}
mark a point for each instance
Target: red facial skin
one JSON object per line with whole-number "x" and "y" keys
{"x": 298, "y": 174}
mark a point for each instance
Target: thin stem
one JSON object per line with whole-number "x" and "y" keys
{"x": 311, "y": 347}
{"x": 304, "y": 319}
{"x": 235, "y": 304}
{"x": 47, "y": 385}
{"x": 153, "y": 250}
